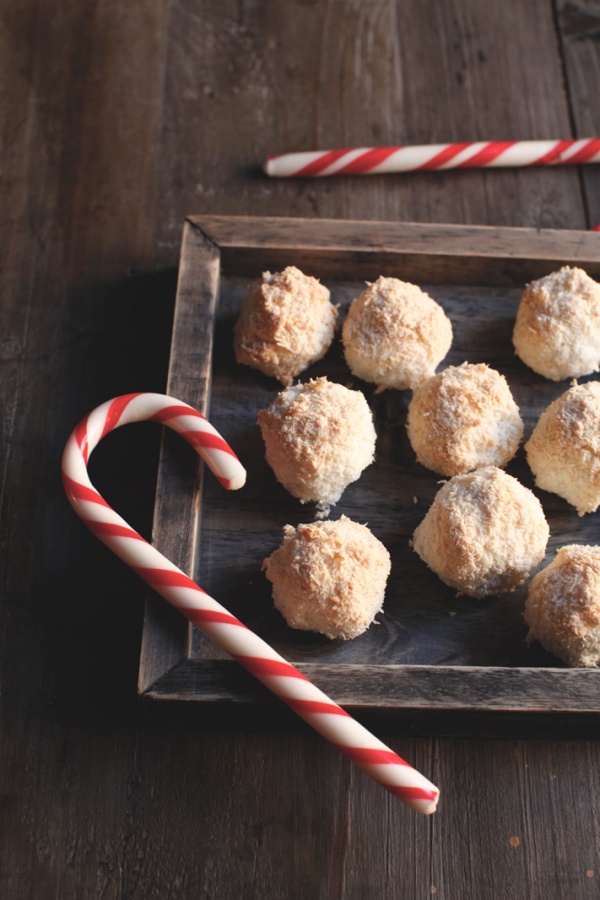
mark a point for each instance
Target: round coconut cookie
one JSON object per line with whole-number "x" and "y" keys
{"x": 395, "y": 334}
{"x": 464, "y": 418}
{"x": 563, "y": 451}
{"x": 557, "y": 330}
{"x": 563, "y": 606}
{"x": 483, "y": 533}
{"x": 319, "y": 437}
{"x": 286, "y": 323}
{"x": 329, "y": 577}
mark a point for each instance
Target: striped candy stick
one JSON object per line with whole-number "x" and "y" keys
{"x": 476, "y": 154}
{"x": 213, "y": 619}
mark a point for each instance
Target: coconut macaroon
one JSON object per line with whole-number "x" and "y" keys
{"x": 483, "y": 533}
{"x": 563, "y": 606}
{"x": 329, "y": 577}
{"x": 557, "y": 330}
{"x": 395, "y": 334}
{"x": 286, "y": 323}
{"x": 319, "y": 437}
{"x": 464, "y": 418}
{"x": 564, "y": 448}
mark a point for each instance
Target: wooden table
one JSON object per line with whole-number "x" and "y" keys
{"x": 117, "y": 121}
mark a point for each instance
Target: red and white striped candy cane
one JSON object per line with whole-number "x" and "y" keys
{"x": 213, "y": 619}
{"x": 476, "y": 154}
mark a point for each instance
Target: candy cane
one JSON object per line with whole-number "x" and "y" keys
{"x": 233, "y": 636}
{"x": 477, "y": 154}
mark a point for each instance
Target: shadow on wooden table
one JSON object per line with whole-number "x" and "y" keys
{"x": 116, "y": 340}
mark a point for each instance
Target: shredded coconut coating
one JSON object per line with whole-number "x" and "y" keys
{"x": 564, "y": 448}
{"x": 395, "y": 334}
{"x": 557, "y": 330}
{"x": 319, "y": 437}
{"x": 483, "y": 533}
{"x": 286, "y": 323}
{"x": 563, "y": 606}
{"x": 329, "y": 577}
{"x": 464, "y": 418}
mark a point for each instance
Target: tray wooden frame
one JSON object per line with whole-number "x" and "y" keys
{"x": 442, "y": 699}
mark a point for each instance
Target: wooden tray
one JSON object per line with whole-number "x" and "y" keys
{"x": 436, "y": 662}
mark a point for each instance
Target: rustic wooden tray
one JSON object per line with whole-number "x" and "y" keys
{"x": 435, "y": 661}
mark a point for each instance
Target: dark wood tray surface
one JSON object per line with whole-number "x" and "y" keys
{"x": 431, "y": 651}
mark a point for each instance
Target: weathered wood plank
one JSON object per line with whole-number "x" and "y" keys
{"x": 579, "y": 28}
{"x": 450, "y": 254}
{"x": 179, "y": 492}
{"x": 270, "y": 234}
{"x": 78, "y": 112}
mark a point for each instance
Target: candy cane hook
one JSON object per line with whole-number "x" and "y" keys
{"x": 285, "y": 681}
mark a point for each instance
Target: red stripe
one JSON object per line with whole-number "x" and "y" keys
{"x": 444, "y": 156}
{"x": 206, "y": 616}
{"x": 165, "y": 578}
{"x": 259, "y": 666}
{"x": 553, "y": 155}
{"x": 107, "y": 529}
{"x": 319, "y": 164}
{"x": 305, "y": 707}
{"x": 364, "y": 756}
{"x": 81, "y": 436}
{"x": 115, "y": 411}
{"x": 411, "y": 793}
{"x": 367, "y": 161}
{"x": 204, "y": 440}
{"x": 588, "y": 151}
{"x": 81, "y": 492}
{"x": 487, "y": 154}
{"x": 172, "y": 412}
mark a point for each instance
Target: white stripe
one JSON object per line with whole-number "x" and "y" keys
{"x": 464, "y": 155}
{"x": 239, "y": 641}
{"x": 145, "y": 406}
{"x": 407, "y": 159}
{"x": 344, "y": 160}
{"x": 95, "y": 424}
{"x": 574, "y": 149}
{"x": 191, "y": 423}
{"x": 73, "y": 463}
{"x": 185, "y": 598}
{"x": 523, "y": 153}
{"x": 95, "y": 512}
{"x": 398, "y": 775}
{"x": 138, "y": 553}
{"x": 344, "y": 730}
{"x": 290, "y": 163}
{"x": 294, "y": 688}
{"x": 224, "y": 465}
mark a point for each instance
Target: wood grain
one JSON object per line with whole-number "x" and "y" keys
{"x": 579, "y": 29}
{"x": 117, "y": 121}
{"x": 72, "y": 334}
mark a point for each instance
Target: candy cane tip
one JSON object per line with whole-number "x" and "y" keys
{"x": 429, "y": 807}
{"x": 426, "y": 804}
{"x": 238, "y": 481}
{"x": 268, "y": 166}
